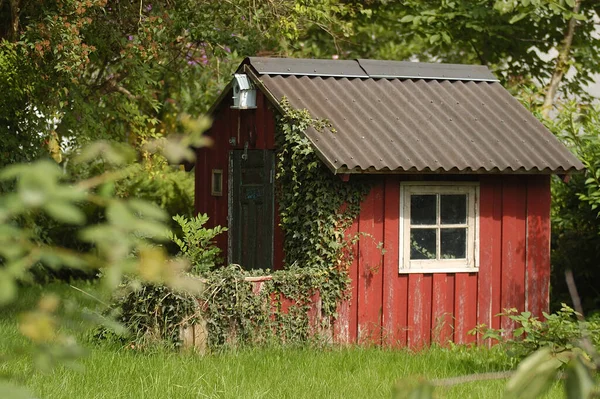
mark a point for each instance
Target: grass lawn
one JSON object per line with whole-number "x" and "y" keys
{"x": 109, "y": 372}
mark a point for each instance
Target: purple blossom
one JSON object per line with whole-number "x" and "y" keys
{"x": 148, "y": 7}
{"x": 130, "y": 37}
{"x": 227, "y": 49}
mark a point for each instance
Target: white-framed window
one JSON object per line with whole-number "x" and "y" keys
{"x": 439, "y": 227}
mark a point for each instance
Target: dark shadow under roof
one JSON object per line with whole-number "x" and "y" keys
{"x": 457, "y": 120}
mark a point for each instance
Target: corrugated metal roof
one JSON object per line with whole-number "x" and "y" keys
{"x": 418, "y": 125}
{"x": 362, "y": 68}
{"x": 422, "y": 70}
{"x": 307, "y": 67}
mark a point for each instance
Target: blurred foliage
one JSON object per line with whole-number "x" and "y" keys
{"x": 74, "y": 71}
{"x": 124, "y": 239}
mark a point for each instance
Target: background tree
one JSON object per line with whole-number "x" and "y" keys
{"x": 121, "y": 70}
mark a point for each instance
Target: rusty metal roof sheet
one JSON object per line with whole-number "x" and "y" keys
{"x": 421, "y": 125}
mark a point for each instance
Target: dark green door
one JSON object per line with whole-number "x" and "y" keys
{"x": 251, "y": 223}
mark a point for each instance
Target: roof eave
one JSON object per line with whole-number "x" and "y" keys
{"x": 455, "y": 171}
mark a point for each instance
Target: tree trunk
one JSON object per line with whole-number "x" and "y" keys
{"x": 561, "y": 63}
{"x": 14, "y": 19}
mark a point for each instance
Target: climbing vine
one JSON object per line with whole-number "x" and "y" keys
{"x": 258, "y": 307}
{"x": 316, "y": 207}
{"x": 240, "y": 308}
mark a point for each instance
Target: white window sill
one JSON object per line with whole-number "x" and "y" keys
{"x": 426, "y": 270}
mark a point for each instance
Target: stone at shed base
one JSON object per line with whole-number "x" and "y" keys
{"x": 195, "y": 336}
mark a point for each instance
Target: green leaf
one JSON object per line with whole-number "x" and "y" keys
{"x": 517, "y": 18}
{"x": 147, "y": 209}
{"x": 446, "y": 38}
{"x": 119, "y": 214}
{"x": 407, "y": 18}
{"x": 114, "y": 153}
{"x": 534, "y": 375}
{"x": 8, "y": 289}
{"x": 65, "y": 212}
{"x": 579, "y": 383}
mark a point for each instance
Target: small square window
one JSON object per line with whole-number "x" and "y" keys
{"x": 216, "y": 187}
{"x": 439, "y": 228}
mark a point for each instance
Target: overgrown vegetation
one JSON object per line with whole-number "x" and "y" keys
{"x": 560, "y": 331}
{"x": 122, "y": 241}
{"x": 316, "y": 210}
{"x": 154, "y": 315}
{"x": 316, "y": 207}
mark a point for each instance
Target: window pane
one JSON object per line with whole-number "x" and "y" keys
{"x": 453, "y": 209}
{"x": 453, "y": 243}
{"x": 422, "y": 243}
{"x": 423, "y": 209}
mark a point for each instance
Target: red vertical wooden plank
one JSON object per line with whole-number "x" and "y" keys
{"x": 490, "y": 252}
{"x": 401, "y": 301}
{"x": 419, "y": 309}
{"x": 370, "y": 281}
{"x": 393, "y": 301}
{"x": 426, "y": 323}
{"x": 221, "y": 162}
{"x": 465, "y": 307}
{"x": 200, "y": 181}
{"x": 259, "y": 121}
{"x": 514, "y": 202}
{"x": 442, "y": 309}
{"x": 269, "y": 125}
{"x": 450, "y": 301}
{"x": 496, "y": 254}
{"x": 538, "y": 245}
{"x": 461, "y": 306}
{"x": 346, "y": 325}
{"x": 471, "y": 310}
{"x": 352, "y": 303}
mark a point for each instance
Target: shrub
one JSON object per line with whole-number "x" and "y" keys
{"x": 154, "y": 314}
{"x": 197, "y": 243}
{"x": 560, "y": 331}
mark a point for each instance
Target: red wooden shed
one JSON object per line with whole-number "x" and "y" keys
{"x": 460, "y": 196}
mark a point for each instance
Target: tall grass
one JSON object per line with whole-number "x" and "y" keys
{"x": 110, "y": 372}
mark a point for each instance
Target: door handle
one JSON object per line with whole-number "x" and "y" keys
{"x": 245, "y": 154}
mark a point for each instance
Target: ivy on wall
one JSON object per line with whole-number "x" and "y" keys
{"x": 241, "y": 311}
{"x": 316, "y": 207}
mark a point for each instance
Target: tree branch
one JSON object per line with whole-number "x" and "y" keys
{"x": 561, "y": 63}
